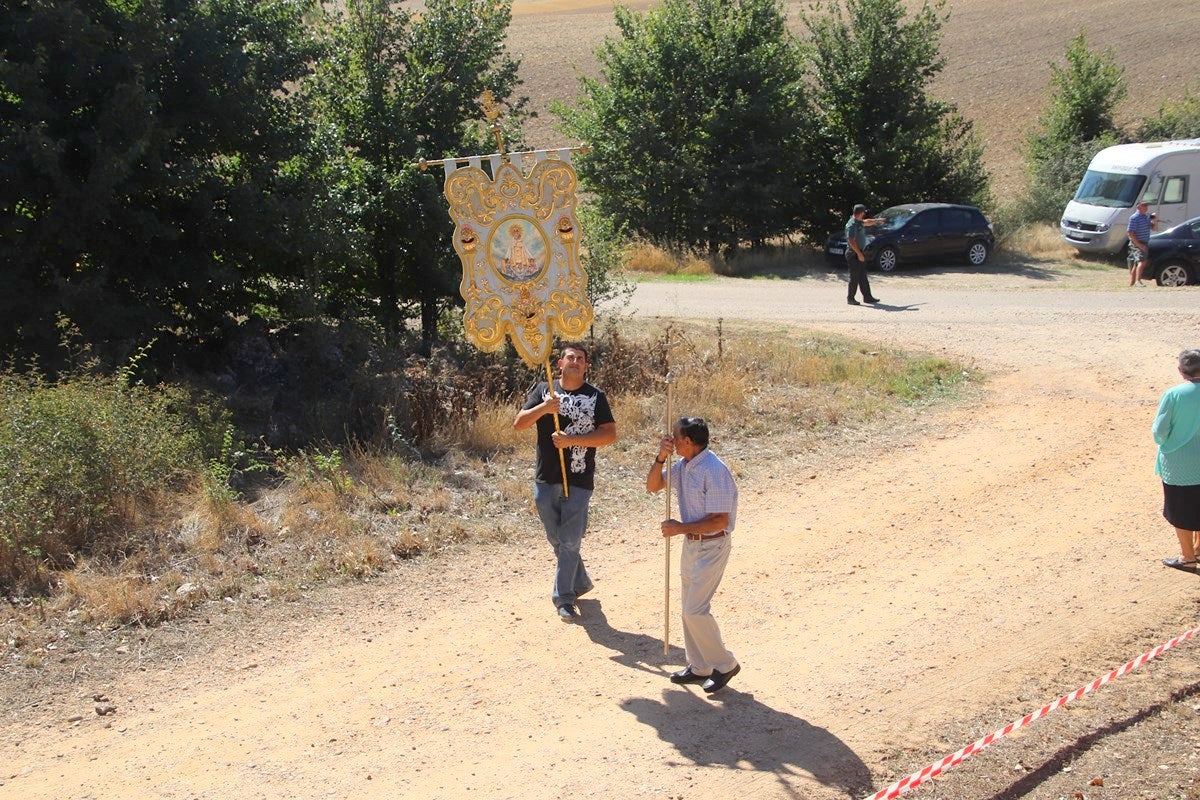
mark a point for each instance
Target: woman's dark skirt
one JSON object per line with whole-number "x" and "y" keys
{"x": 1181, "y": 506}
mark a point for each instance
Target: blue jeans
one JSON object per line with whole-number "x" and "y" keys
{"x": 565, "y": 520}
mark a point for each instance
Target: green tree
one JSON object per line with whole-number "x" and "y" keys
{"x": 884, "y": 139}
{"x": 141, "y": 145}
{"x": 392, "y": 87}
{"x": 1076, "y": 126}
{"x": 698, "y": 126}
{"x": 1174, "y": 120}
{"x": 1085, "y": 95}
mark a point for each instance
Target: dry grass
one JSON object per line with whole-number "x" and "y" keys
{"x": 652, "y": 259}
{"x": 491, "y": 431}
{"x": 779, "y": 258}
{"x": 349, "y": 515}
{"x": 783, "y": 257}
{"x": 1040, "y": 241}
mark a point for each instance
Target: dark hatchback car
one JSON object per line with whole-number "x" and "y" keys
{"x": 1175, "y": 255}
{"x": 922, "y": 232}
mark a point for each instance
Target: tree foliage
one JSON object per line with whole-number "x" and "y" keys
{"x": 1077, "y": 125}
{"x": 1085, "y": 96}
{"x": 141, "y": 145}
{"x": 390, "y": 88}
{"x": 1174, "y": 120}
{"x": 698, "y": 125}
{"x": 883, "y": 138}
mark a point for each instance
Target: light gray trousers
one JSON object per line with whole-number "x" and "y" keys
{"x": 701, "y": 567}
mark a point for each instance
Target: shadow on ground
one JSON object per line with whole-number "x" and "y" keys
{"x": 1069, "y": 753}
{"x": 1025, "y": 266}
{"x": 730, "y": 728}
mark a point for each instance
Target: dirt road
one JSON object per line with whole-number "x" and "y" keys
{"x": 878, "y": 600}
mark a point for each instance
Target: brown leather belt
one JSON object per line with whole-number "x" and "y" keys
{"x": 700, "y": 537}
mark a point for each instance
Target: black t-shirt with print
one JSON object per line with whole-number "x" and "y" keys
{"x": 580, "y": 411}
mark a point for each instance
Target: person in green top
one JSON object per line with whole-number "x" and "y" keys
{"x": 1177, "y": 432}
{"x": 856, "y": 253}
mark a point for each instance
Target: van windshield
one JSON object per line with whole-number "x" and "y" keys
{"x": 1109, "y": 189}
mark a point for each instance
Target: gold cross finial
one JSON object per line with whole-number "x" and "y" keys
{"x": 491, "y": 109}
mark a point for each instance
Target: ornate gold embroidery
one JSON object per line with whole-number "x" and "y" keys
{"x": 517, "y": 237}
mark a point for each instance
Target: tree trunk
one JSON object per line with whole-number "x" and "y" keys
{"x": 429, "y": 317}
{"x": 387, "y": 277}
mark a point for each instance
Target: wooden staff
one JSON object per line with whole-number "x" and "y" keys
{"x": 667, "y": 539}
{"x": 562, "y": 460}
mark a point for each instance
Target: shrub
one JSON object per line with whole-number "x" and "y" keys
{"x": 1076, "y": 126}
{"x": 77, "y": 458}
{"x": 1179, "y": 120}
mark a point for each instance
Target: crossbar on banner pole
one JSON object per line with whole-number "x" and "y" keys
{"x": 425, "y": 163}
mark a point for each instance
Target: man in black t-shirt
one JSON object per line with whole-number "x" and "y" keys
{"x": 585, "y": 423}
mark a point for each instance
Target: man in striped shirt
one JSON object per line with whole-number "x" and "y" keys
{"x": 1140, "y": 225}
{"x": 707, "y": 515}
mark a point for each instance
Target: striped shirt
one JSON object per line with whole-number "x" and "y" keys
{"x": 1139, "y": 226}
{"x": 707, "y": 488}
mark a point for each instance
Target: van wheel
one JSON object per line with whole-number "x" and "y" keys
{"x": 977, "y": 253}
{"x": 1174, "y": 273}
{"x": 887, "y": 259}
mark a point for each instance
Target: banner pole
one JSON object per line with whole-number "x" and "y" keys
{"x": 562, "y": 460}
{"x": 667, "y": 539}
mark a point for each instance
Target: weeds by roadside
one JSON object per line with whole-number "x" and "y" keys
{"x": 256, "y": 523}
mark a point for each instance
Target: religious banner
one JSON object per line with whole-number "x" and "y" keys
{"x": 518, "y": 239}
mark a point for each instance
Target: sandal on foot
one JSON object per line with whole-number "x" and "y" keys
{"x": 1178, "y": 563}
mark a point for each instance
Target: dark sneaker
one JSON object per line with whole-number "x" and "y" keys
{"x": 568, "y": 613}
{"x": 853, "y": 302}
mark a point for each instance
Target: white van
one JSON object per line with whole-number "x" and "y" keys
{"x": 1161, "y": 173}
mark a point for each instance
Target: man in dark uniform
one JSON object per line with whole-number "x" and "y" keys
{"x": 856, "y": 253}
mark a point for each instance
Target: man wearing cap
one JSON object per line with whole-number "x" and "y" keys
{"x": 856, "y": 253}
{"x": 1140, "y": 225}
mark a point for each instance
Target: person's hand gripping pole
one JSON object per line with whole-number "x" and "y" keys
{"x": 562, "y": 460}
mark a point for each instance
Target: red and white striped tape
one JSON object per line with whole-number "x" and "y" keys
{"x": 917, "y": 778}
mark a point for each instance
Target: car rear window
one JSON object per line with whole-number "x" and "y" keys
{"x": 957, "y": 219}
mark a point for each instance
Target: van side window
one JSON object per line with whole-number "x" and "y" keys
{"x": 1175, "y": 189}
{"x": 1168, "y": 190}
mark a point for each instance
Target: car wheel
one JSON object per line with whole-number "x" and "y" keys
{"x": 977, "y": 253}
{"x": 887, "y": 259}
{"x": 1174, "y": 273}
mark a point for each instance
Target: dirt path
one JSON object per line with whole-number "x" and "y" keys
{"x": 876, "y": 599}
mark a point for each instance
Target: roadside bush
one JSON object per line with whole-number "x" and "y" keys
{"x": 78, "y": 458}
{"x": 602, "y": 256}
{"x": 1179, "y": 120}
{"x": 1077, "y": 124}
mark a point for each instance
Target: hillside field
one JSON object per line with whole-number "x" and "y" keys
{"x": 998, "y": 57}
